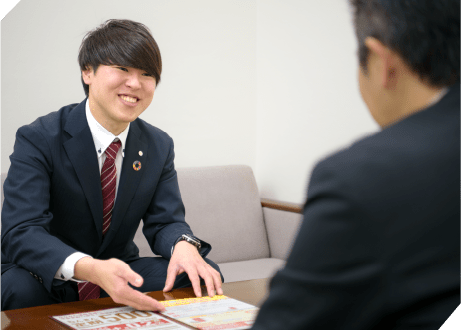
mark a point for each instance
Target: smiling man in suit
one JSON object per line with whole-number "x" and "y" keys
{"x": 82, "y": 178}
{"x": 379, "y": 244}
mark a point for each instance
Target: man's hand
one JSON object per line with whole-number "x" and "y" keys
{"x": 186, "y": 258}
{"x": 113, "y": 276}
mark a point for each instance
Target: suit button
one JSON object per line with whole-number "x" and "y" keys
{"x": 31, "y": 273}
{"x": 41, "y": 281}
{"x": 36, "y": 277}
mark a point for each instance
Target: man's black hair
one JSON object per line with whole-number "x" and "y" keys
{"x": 425, "y": 33}
{"x": 120, "y": 42}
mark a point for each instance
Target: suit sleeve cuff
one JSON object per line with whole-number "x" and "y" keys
{"x": 175, "y": 242}
{"x": 66, "y": 271}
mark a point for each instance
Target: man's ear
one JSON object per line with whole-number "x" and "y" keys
{"x": 385, "y": 62}
{"x": 87, "y": 75}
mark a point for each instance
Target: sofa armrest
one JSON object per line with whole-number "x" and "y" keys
{"x": 283, "y": 206}
{"x": 282, "y": 224}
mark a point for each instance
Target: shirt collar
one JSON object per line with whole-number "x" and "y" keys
{"x": 438, "y": 97}
{"x": 102, "y": 137}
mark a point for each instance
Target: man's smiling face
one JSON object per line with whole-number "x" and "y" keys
{"x": 118, "y": 95}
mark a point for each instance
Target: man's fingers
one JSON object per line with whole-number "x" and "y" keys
{"x": 219, "y": 290}
{"x": 209, "y": 285}
{"x": 217, "y": 281}
{"x": 170, "y": 277}
{"x": 186, "y": 258}
{"x": 137, "y": 282}
{"x": 114, "y": 276}
{"x": 145, "y": 303}
{"x": 141, "y": 301}
{"x": 195, "y": 280}
{"x": 131, "y": 276}
{"x": 206, "y": 273}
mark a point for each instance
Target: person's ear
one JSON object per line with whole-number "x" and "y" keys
{"x": 87, "y": 75}
{"x": 383, "y": 62}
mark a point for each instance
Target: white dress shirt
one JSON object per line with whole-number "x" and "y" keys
{"x": 102, "y": 139}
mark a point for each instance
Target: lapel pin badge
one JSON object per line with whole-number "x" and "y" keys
{"x": 140, "y": 153}
{"x": 136, "y": 165}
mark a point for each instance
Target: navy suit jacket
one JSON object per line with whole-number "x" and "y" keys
{"x": 379, "y": 247}
{"x": 53, "y": 198}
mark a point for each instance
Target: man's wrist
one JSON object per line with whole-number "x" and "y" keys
{"x": 192, "y": 240}
{"x": 84, "y": 268}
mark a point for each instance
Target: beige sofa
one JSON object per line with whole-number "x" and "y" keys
{"x": 250, "y": 237}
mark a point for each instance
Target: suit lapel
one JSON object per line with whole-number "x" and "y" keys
{"x": 129, "y": 180}
{"x": 82, "y": 154}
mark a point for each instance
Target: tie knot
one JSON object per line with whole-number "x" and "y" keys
{"x": 111, "y": 151}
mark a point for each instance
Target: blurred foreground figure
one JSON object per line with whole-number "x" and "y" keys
{"x": 379, "y": 247}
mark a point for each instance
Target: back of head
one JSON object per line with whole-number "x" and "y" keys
{"x": 120, "y": 42}
{"x": 425, "y": 33}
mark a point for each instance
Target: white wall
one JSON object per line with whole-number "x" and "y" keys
{"x": 266, "y": 83}
{"x": 206, "y": 100}
{"x": 309, "y": 104}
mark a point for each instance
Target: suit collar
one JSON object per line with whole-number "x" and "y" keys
{"x": 76, "y": 120}
{"x": 447, "y": 103}
{"x": 82, "y": 154}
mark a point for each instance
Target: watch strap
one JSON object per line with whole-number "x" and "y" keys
{"x": 189, "y": 239}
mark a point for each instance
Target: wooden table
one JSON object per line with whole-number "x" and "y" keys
{"x": 252, "y": 292}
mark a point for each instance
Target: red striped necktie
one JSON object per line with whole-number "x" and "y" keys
{"x": 89, "y": 290}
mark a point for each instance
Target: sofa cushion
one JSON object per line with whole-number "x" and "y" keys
{"x": 223, "y": 208}
{"x": 250, "y": 269}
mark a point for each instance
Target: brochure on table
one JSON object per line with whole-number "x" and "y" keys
{"x": 216, "y": 313}
{"x": 119, "y": 318}
{"x": 207, "y": 313}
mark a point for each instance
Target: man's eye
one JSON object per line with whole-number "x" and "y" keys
{"x": 122, "y": 68}
{"x": 147, "y": 74}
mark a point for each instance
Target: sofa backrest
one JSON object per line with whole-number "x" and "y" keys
{"x": 223, "y": 208}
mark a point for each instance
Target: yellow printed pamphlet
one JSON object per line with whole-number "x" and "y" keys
{"x": 212, "y": 313}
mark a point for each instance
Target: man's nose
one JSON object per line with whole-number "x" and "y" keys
{"x": 133, "y": 81}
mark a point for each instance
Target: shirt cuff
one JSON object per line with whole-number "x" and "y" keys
{"x": 66, "y": 271}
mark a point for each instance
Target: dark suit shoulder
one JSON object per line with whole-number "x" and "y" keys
{"x": 48, "y": 125}
{"x": 149, "y": 133}
{"x": 37, "y": 142}
{"x": 432, "y": 130}
{"x": 402, "y": 160}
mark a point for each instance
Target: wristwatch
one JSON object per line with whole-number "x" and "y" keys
{"x": 189, "y": 239}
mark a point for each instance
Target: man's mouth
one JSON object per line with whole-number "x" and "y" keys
{"x": 129, "y": 98}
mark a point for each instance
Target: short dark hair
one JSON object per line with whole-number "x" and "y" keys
{"x": 120, "y": 42}
{"x": 425, "y": 33}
